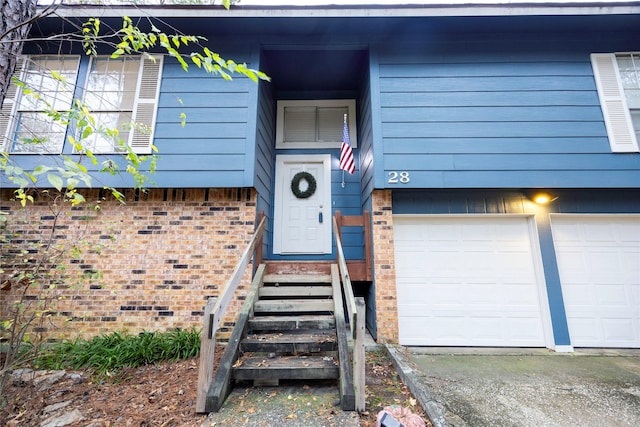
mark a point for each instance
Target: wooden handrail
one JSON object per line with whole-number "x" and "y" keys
{"x": 356, "y": 312}
{"x": 214, "y": 312}
{"x": 350, "y": 300}
{"x": 363, "y": 221}
{"x": 234, "y": 281}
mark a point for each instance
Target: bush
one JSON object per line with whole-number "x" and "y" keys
{"x": 108, "y": 353}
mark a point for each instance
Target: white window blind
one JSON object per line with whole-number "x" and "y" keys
{"x": 314, "y": 123}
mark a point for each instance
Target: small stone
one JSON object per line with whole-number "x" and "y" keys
{"x": 46, "y": 379}
{"x": 56, "y": 406}
{"x": 63, "y": 420}
{"x": 77, "y": 378}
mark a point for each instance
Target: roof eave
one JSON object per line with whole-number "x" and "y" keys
{"x": 353, "y": 11}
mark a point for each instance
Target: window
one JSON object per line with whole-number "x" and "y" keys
{"x": 629, "y": 67}
{"x": 118, "y": 92}
{"x": 618, "y": 82}
{"x": 35, "y": 129}
{"x": 314, "y": 124}
{"x": 110, "y": 95}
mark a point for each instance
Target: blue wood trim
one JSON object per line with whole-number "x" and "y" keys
{"x": 558, "y": 313}
{"x": 376, "y": 118}
{"x": 252, "y": 126}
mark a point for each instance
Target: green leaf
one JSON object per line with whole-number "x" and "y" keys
{"x": 40, "y": 169}
{"x": 55, "y": 181}
{"x": 87, "y": 132}
{"x": 20, "y": 181}
{"x": 72, "y": 183}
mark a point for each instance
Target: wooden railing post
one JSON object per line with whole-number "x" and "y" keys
{"x": 366, "y": 223}
{"x": 258, "y": 257}
{"x": 338, "y": 218}
{"x": 207, "y": 355}
{"x": 359, "y": 357}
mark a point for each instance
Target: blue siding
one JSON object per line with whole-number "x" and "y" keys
{"x": 491, "y": 113}
{"x": 213, "y": 148}
{"x": 265, "y": 158}
{"x": 517, "y": 202}
{"x": 368, "y": 107}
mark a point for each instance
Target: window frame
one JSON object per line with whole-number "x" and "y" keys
{"x": 130, "y": 112}
{"x": 349, "y": 104}
{"x": 13, "y": 101}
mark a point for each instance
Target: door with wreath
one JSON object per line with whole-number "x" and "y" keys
{"x": 302, "y": 205}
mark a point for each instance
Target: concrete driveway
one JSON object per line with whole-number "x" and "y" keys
{"x": 525, "y": 387}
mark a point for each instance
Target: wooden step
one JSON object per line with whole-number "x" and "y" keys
{"x": 295, "y": 291}
{"x": 287, "y": 323}
{"x": 297, "y": 278}
{"x": 286, "y": 368}
{"x": 298, "y": 341}
{"x": 293, "y": 306}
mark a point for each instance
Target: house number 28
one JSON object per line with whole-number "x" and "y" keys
{"x": 399, "y": 177}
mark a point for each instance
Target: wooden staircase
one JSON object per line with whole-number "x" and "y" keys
{"x": 292, "y": 332}
{"x": 292, "y": 325}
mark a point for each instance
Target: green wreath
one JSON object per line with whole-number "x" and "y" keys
{"x": 295, "y": 185}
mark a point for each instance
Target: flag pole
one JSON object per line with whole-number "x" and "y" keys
{"x": 343, "y": 183}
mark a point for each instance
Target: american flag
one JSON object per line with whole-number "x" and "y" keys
{"x": 347, "y": 162}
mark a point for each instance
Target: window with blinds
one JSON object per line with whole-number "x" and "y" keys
{"x": 314, "y": 123}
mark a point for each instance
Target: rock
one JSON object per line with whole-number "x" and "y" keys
{"x": 56, "y": 406}
{"x": 45, "y": 379}
{"x": 63, "y": 419}
{"x": 77, "y": 378}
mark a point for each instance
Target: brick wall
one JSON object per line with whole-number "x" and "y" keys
{"x": 147, "y": 265}
{"x": 384, "y": 267}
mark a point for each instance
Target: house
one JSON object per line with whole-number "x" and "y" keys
{"x": 460, "y": 116}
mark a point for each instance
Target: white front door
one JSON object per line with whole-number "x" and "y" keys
{"x": 302, "y": 222}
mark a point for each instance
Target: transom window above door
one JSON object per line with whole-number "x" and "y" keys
{"x": 314, "y": 123}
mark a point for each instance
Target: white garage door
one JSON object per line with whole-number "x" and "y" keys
{"x": 599, "y": 264}
{"x": 467, "y": 281}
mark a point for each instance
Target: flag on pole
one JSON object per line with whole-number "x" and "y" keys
{"x": 347, "y": 162}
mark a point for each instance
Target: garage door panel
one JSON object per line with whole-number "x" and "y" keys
{"x": 470, "y": 281}
{"x": 599, "y": 266}
{"x": 612, "y": 295}
{"x": 617, "y": 329}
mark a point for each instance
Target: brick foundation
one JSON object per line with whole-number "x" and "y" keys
{"x": 384, "y": 267}
{"x": 147, "y": 265}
